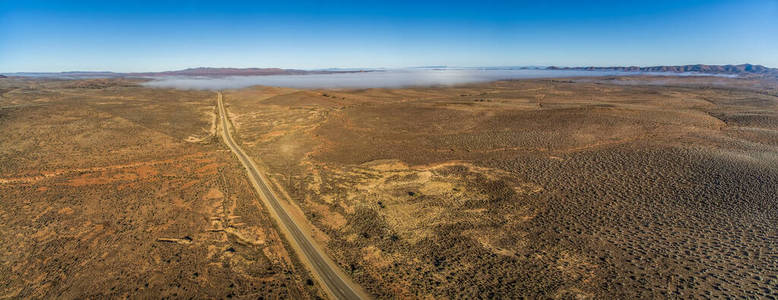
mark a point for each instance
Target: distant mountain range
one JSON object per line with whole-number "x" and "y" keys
{"x": 228, "y": 72}
{"x": 215, "y": 72}
{"x": 740, "y": 70}
{"x": 743, "y": 69}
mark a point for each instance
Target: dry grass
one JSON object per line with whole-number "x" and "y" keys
{"x": 638, "y": 187}
{"x": 622, "y": 187}
{"x": 112, "y": 190}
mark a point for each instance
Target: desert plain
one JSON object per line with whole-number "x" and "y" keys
{"x": 593, "y": 187}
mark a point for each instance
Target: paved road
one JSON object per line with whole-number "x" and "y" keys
{"x": 324, "y": 269}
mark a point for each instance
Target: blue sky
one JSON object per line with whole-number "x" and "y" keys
{"x": 135, "y": 36}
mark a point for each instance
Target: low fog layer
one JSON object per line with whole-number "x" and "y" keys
{"x": 375, "y": 79}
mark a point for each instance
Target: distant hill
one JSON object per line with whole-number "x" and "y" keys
{"x": 743, "y": 69}
{"x": 3, "y": 76}
{"x": 229, "y": 72}
{"x": 186, "y": 72}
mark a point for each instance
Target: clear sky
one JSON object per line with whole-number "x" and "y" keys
{"x": 129, "y": 36}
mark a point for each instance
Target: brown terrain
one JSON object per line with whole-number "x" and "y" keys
{"x": 108, "y": 189}
{"x": 635, "y": 187}
{"x": 618, "y": 187}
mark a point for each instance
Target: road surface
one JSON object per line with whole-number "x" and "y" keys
{"x": 324, "y": 269}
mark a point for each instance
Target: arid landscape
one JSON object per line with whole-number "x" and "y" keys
{"x": 357, "y": 150}
{"x": 590, "y": 187}
{"x": 112, "y": 190}
{"x": 631, "y": 187}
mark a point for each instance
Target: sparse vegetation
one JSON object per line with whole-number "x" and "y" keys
{"x": 637, "y": 187}
{"x": 104, "y": 194}
{"x": 618, "y": 187}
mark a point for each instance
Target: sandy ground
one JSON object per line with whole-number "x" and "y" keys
{"x": 620, "y": 187}
{"x": 121, "y": 191}
{"x": 631, "y": 187}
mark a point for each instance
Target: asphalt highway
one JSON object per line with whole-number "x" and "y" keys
{"x": 325, "y": 271}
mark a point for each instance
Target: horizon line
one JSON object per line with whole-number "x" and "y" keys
{"x": 382, "y": 68}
